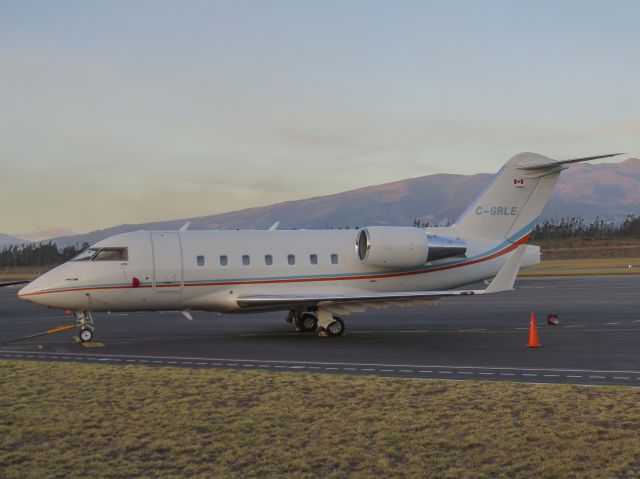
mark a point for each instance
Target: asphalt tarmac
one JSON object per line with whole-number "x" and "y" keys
{"x": 597, "y": 341}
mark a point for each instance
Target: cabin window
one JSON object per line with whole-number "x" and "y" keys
{"x": 268, "y": 259}
{"x": 224, "y": 260}
{"x": 313, "y": 258}
{"x": 334, "y": 258}
{"x": 246, "y": 260}
{"x": 291, "y": 259}
{"x": 200, "y": 260}
{"x": 111, "y": 254}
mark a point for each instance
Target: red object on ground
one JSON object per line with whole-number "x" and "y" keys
{"x": 533, "y": 333}
{"x": 68, "y": 311}
{"x": 552, "y": 320}
{"x": 135, "y": 283}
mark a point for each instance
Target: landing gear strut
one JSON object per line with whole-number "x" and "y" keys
{"x": 84, "y": 321}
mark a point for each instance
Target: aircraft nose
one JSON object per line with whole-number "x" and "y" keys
{"x": 28, "y": 290}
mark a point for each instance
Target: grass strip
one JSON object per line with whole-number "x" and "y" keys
{"x": 582, "y": 267}
{"x": 82, "y": 420}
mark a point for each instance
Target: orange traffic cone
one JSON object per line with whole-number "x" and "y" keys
{"x": 533, "y": 333}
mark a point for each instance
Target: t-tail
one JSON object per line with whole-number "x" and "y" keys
{"x": 510, "y": 205}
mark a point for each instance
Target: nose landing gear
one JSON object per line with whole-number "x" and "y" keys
{"x": 84, "y": 321}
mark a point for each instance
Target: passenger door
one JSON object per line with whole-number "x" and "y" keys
{"x": 167, "y": 262}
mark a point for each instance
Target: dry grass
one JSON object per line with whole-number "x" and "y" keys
{"x": 20, "y": 273}
{"x": 72, "y": 420}
{"x": 577, "y": 267}
{"x": 580, "y": 248}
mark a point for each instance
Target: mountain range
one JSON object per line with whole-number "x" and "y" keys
{"x": 608, "y": 190}
{"x": 6, "y": 240}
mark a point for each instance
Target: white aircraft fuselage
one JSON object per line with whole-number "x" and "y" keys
{"x": 210, "y": 270}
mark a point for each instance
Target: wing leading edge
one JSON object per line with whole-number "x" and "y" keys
{"x": 503, "y": 281}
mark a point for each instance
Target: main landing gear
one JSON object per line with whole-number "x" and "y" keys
{"x": 84, "y": 321}
{"x": 321, "y": 320}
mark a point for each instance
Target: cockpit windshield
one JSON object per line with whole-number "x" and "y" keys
{"x": 103, "y": 254}
{"x": 86, "y": 255}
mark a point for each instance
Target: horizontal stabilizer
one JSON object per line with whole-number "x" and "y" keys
{"x": 563, "y": 163}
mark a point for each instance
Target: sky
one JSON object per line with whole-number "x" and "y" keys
{"x": 134, "y": 111}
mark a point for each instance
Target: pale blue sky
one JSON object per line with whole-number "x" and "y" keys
{"x": 131, "y": 111}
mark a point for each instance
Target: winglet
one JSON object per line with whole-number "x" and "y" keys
{"x": 185, "y": 226}
{"x": 507, "y": 275}
{"x": 274, "y": 226}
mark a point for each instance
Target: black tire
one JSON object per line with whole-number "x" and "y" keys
{"x": 307, "y": 323}
{"x": 85, "y": 335}
{"x": 336, "y": 328}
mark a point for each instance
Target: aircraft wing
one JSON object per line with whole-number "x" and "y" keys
{"x": 12, "y": 283}
{"x": 353, "y": 302}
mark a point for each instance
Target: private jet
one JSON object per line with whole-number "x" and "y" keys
{"x": 314, "y": 276}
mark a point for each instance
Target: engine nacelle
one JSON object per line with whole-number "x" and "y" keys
{"x": 404, "y": 247}
{"x": 392, "y": 247}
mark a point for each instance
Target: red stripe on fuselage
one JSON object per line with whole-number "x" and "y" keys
{"x": 506, "y": 250}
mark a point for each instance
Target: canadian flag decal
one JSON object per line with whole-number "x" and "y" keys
{"x": 518, "y": 181}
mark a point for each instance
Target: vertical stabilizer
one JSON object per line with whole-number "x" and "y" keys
{"x": 509, "y": 207}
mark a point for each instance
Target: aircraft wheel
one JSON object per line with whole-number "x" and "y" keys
{"x": 86, "y": 335}
{"x": 307, "y": 323}
{"x": 336, "y": 328}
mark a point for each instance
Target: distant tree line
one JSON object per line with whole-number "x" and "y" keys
{"x": 579, "y": 228}
{"x": 38, "y": 254}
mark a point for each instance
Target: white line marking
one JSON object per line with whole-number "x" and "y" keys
{"x": 621, "y": 377}
{"x": 157, "y": 362}
{"x": 425, "y": 372}
{"x": 172, "y": 362}
{"x": 573, "y": 376}
{"x": 383, "y": 370}
{"x": 350, "y": 369}
{"x": 551, "y": 375}
{"x": 507, "y": 374}
{"x": 445, "y": 372}
{"x": 612, "y": 323}
{"x": 529, "y": 374}
{"x": 131, "y": 360}
{"x": 369, "y": 369}
{"x": 597, "y": 377}
{"x": 201, "y": 364}
{"x": 280, "y": 366}
{"x": 465, "y": 372}
{"x": 575, "y": 326}
{"x": 186, "y": 362}
{"x": 333, "y": 369}
{"x": 486, "y": 374}
{"x": 415, "y": 366}
{"x": 405, "y": 371}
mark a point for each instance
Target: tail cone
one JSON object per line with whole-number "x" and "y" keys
{"x": 533, "y": 333}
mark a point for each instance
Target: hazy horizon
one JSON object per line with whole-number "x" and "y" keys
{"x": 129, "y": 112}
